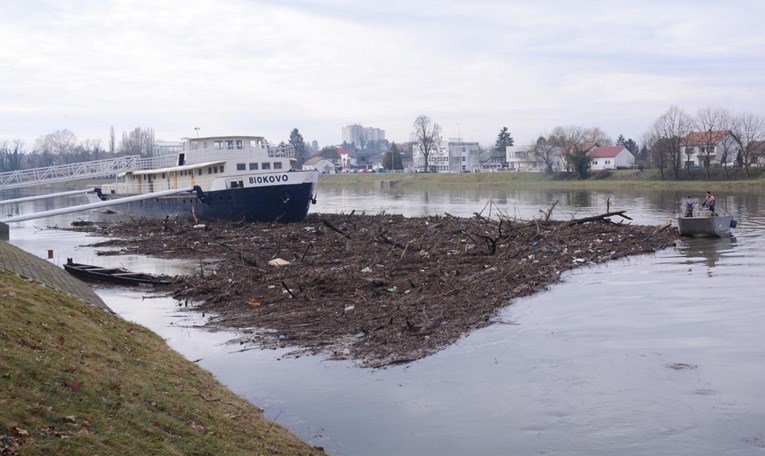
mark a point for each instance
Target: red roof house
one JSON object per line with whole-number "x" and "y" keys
{"x": 611, "y": 157}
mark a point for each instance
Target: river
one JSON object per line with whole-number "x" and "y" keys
{"x": 656, "y": 354}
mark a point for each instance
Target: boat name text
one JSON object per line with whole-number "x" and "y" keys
{"x": 268, "y": 179}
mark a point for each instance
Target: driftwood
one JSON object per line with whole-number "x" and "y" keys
{"x": 666, "y": 226}
{"x": 334, "y": 228}
{"x": 548, "y": 213}
{"x": 365, "y": 298}
{"x": 598, "y": 218}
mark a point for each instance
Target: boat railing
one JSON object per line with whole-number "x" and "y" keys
{"x": 135, "y": 188}
{"x": 283, "y": 150}
{"x": 162, "y": 161}
{"x": 702, "y": 213}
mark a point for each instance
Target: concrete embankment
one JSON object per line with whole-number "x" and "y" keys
{"x": 25, "y": 264}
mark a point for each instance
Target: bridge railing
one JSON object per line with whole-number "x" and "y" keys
{"x": 96, "y": 168}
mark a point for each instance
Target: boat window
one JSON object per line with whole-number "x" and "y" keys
{"x": 219, "y": 145}
{"x": 241, "y": 167}
{"x": 229, "y": 144}
{"x": 241, "y": 184}
{"x": 253, "y": 166}
{"x": 199, "y": 171}
{"x": 239, "y": 144}
{"x": 163, "y": 175}
{"x": 265, "y": 165}
{"x": 209, "y": 170}
{"x": 234, "y": 184}
{"x": 221, "y": 168}
{"x": 277, "y": 165}
{"x": 215, "y": 169}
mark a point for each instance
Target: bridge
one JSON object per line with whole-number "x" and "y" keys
{"x": 83, "y": 170}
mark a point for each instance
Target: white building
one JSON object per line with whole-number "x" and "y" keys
{"x": 611, "y": 157}
{"x": 521, "y": 158}
{"x": 457, "y": 157}
{"x": 358, "y": 134}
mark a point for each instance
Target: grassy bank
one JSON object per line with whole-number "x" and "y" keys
{"x": 598, "y": 181}
{"x": 76, "y": 380}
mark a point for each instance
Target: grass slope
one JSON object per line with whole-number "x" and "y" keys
{"x": 600, "y": 180}
{"x": 77, "y": 380}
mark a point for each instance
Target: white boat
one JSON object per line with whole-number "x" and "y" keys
{"x": 234, "y": 178}
{"x": 705, "y": 224}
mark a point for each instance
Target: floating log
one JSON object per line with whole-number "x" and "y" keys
{"x": 598, "y": 218}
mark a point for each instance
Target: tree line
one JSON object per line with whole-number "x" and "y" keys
{"x": 666, "y": 145}
{"x": 62, "y": 147}
{"x": 663, "y": 146}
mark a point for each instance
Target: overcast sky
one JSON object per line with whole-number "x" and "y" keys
{"x": 261, "y": 67}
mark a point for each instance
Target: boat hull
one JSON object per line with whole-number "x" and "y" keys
{"x": 115, "y": 276}
{"x": 265, "y": 203}
{"x": 714, "y": 226}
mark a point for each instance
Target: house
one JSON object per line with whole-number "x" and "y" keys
{"x": 611, "y": 157}
{"x": 522, "y": 158}
{"x": 320, "y": 164}
{"x": 713, "y": 148}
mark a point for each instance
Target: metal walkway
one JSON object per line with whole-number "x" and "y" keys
{"x": 97, "y": 168}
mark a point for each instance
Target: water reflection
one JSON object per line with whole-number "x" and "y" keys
{"x": 707, "y": 250}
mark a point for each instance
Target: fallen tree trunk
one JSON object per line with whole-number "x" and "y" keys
{"x": 598, "y": 218}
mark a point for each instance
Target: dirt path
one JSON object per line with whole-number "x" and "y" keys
{"x": 380, "y": 289}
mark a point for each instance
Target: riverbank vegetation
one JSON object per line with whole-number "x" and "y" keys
{"x": 615, "y": 179}
{"x": 78, "y": 380}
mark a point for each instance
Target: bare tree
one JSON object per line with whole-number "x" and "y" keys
{"x": 89, "y": 149}
{"x": 547, "y": 152}
{"x": 576, "y": 143}
{"x": 714, "y": 124}
{"x": 656, "y": 156}
{"x": 597, "y": 136}
{"x": 138, "y": 142}
{"x": 427, "y": 136}
{"x": 749, "y": 128}
{"x": 668, "y": 131}
{"x": 57, "y": 146}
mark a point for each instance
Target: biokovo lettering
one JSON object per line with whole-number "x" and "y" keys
{"x": 269, "y": 179}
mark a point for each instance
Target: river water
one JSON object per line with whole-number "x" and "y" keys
{"x": 657, "y": 354}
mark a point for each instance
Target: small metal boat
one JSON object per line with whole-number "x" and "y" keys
{"x": 705, "y": 225}
{"x": 117, "y": 276}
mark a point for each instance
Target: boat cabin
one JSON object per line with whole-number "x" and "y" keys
{"x": 212, "y": 163}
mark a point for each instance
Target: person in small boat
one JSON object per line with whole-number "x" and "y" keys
{"x": 709, "y": 203}
{"x": 689, "y": 206}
